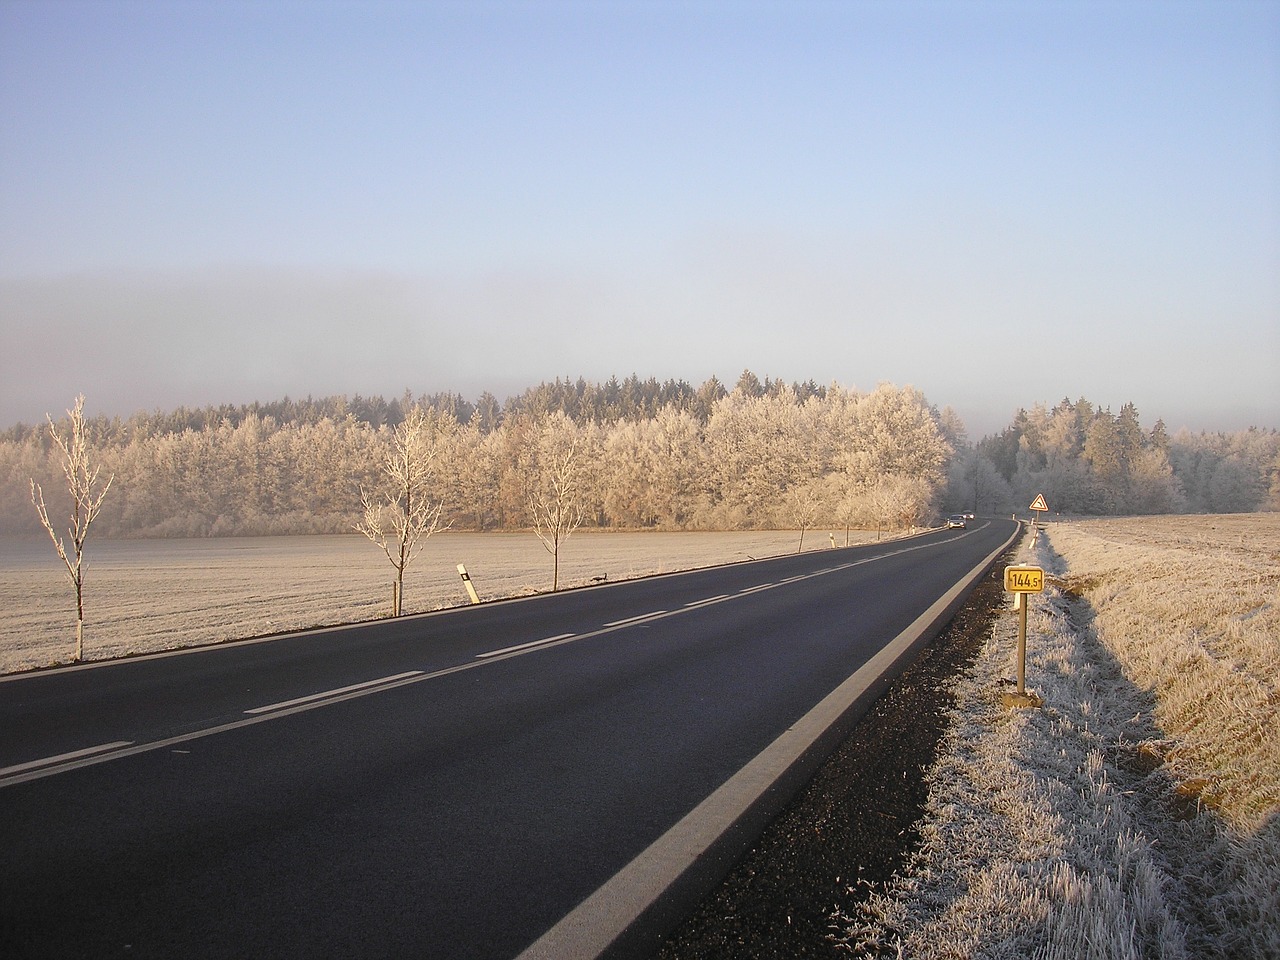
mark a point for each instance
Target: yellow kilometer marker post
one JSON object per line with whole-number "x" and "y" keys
{"x": 1023, "y": 580}
{"x": 1019, "y": 580}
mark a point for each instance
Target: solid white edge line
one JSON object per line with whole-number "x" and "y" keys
{"x": 525, "y": 646}
{"x": 591, "y": 927}
{"x": 63, "y": 757}
{"x": 333, "y": 693}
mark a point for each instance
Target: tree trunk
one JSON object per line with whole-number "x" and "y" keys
{"x": 79, "y": 619}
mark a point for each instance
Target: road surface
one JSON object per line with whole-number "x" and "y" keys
{"x": 548, "y": 777}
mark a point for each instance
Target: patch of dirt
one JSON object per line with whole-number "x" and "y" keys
{"x": 852, "y": 826}
{"x": 1077, "y": 586}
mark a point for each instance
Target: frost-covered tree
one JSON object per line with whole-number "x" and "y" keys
{"x": 750, "y": 385}
{"x": 1225, "y": 473}
{"x": 672, "y": 457}
{"x": 1233, "y": 487}
{"x": 803, "y": 505}
{"x": 629, "y": 461}
{"x": 1067, "y": 429}
{"x": 1152, "y": 486}
{"x": 894, "y": 500}
{"x": 1103, "y": 447}
{"x": 974, "y": 484}
{"x": 899, "y": 435}
{"x": 472, "y": 474}
{"x": 1132, "y": 439}
{"x": 86, "y": 502}
{"x": 953, "y": 429}
{"x": 555, "y": 481}
{"x": 895, "y": 458}
{"x": 651, "y": 470}
{"x": 406, "y": 512}
{"x": 756, "y": 450}
{"x": 675, "y": 485}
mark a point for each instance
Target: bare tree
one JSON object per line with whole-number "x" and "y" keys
{"x": 406, "y": 514}
{"x": 890, "y": 500}
{"x": 555, "y": 499}
{"x": 803, "y": 505}
{"x": 86, "y": 502}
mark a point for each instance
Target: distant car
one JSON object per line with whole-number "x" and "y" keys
{"x": 956, "y": 520}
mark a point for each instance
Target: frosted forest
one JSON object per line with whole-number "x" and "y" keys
{"x": 636, "y": 454}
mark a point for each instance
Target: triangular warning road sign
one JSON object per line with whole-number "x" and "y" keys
{"x": 1038, "y": 503}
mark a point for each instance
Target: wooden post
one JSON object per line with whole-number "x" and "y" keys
{"x": 1022, "y": 645}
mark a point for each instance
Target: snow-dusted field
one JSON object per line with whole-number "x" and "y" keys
{"x": 1137, "y": 815}
{"x": 148, "y": 595}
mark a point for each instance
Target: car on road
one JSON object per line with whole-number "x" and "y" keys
{"x": 956, "y": 520}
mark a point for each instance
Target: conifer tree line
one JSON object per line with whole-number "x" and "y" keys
{"x": 648, "y": 455}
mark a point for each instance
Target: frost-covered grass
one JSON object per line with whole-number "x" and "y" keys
{"x": 147, "y": 595}
{"x": 1137, "y": 815}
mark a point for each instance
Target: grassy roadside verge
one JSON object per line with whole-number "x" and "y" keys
{"x": 1138, "y": 813}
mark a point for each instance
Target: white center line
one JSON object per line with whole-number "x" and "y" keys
{"x": 525, "y": 646}
{"x": 333, "y": 693}
{"x": 643, "y": 616}
{"x": 63, "y": 757}
{"x": 701, "y": 603}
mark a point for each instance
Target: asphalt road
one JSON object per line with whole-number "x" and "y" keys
{"x": 541, "y": 775}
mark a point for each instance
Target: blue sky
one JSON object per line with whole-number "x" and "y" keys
{"x": 999, "y": 203}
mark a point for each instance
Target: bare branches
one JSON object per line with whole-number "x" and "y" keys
{"x": 86, "y": 504}
{"x": 555, "y": 500}
{"x": 405, "y": 515}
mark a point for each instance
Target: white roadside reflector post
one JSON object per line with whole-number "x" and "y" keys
{"x": 1020, "y": 580}
{"x": 466, "y": 582}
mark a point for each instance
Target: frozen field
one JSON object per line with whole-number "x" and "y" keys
{"x": 148, "y": 595}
